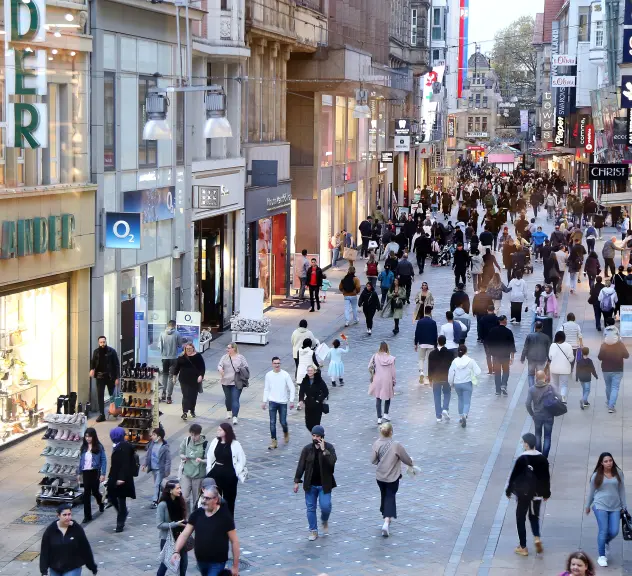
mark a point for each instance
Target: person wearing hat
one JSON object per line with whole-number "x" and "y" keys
{"x": 316, "y": 471}
{"x": 121, "y": 479}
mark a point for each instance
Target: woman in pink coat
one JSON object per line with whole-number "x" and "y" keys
{"x": 382, "y": 387}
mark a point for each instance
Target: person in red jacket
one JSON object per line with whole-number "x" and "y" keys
{"x": 314, "y": 282}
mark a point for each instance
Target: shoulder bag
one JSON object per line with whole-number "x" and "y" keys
{"x": 626, "y": 525}
{"x": 241, "y": 376}
{"x": 166, "y": 554}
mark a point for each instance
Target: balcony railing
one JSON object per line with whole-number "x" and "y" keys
{"x": 312, "y": 4}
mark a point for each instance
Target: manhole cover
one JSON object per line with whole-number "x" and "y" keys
{"x": 33, "y": 517}
{"x": 27, "y": 556}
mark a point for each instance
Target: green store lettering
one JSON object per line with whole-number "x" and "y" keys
{"x": 31, "y": 236}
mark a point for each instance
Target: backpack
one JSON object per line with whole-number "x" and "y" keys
{"x": 348, "y": 285}
{"x": 458, "y": 331}
{"x": 606, "y": 304}
{"x": 525, "y": 486}
{"x": 371, "y": 269}
{"x": 552, "y": 404}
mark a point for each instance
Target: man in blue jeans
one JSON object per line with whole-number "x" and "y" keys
{"x": 350, "y": 288}
{"x": 612, "y": 357}
{"x": 502, "y": 345}
{"x": 317, "y": 463}
{"x": 278, "y": 390}
{"x": 439, "y": 361}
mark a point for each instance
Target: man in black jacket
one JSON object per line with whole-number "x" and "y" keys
{"x": 105, "y": 368}
{"x": 366, "y": 231}
{"x": 460, "y": 263}
{"x": 536, "y": 351}
{"x": 502, "y": 345}
{"x": 530, "y": 481}
{"x": 439, "y": 361}
{"x": 406, "y": 274}
{"x": 422, "y": 249}
{"x": 594, "y": 300}
{"x": 486, "y": 238}
{"x": 460, "y": 299}
{"x": 485, "y": 325}
{"x": 317, "y": 463}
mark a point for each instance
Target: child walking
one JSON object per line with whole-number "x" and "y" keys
{"x": 324, "y": 288}
{"x": 336, "y": 368}
{"x": 585, "y": 369}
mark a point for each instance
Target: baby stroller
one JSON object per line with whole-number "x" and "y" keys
{"x": 445, "y": 256}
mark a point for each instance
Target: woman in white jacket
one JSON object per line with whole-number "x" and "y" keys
{"x": 463, "y": 371}
{"x": 560, "y": 364}
{"x": 476, "y": 261}
{"x": 298, "y": 336}
{"x": 517, "y": 295}
{"x": 306, "y": 358}
{"x": 226, "y": 464}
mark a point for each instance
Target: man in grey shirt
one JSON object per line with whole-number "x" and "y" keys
{"x": 302, "y": 274}
{"x": 536, "y": 351}
{"x": 169, "y": 343}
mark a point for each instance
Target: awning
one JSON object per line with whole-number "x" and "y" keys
{"x": 616, "y": 199}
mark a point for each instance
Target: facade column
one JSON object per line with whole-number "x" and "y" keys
{"x": 285, "y": 56}
{"x": 273, "y": 90}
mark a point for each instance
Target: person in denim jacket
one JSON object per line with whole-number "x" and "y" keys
{"x": 158, "y": 461}
{"x": 92, "y": 468}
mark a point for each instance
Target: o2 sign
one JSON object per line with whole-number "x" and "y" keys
{"x": 122, "y": 230}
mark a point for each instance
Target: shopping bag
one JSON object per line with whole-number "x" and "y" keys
{"x": 166, "y": 554}
{"x": 321, "y": 352}
{"x": 626, "y": 525}
{"x": 372, "y": 244}
{"x": 350, "y": 254}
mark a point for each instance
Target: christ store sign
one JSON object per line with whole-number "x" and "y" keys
{"x": 608, "y": 171}
{"x": 25, "y": 73}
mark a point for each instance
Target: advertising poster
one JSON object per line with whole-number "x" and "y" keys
{"x": 122, "y": 230}
{"x": 625, "y": 327}
{"x": 153, "y": 203}
{"x": 188, "y": 326}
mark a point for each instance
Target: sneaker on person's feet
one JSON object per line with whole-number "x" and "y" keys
{"x": 439, "y": 420}
{"x": 325, "y": 528}
{"x": 101, "y": 507}
{"x": 235, "y": 421}
{"x": 312, "y": 535}
{"x": 229, "y": 415}
{"x": 538, "y": 545}
{"x": 445, "y": 415}
{"x": 386, "y": 417}
{"x": 504, "y": 391}
{"x": 602, "y": 561}
{"x": 346, "y": 323}
{"x": 521, "y": 551}
{"x": 385, "y": 531}
{"x": 379, "y": 421}
{"x": 119, "y": 529}
{"x": 86, "y": 520}
{"x": 564, "y": 399}
{"x": 154, "y": 504}
{"x": 169, "y": 400}
{"x": 286, "y": 437}
{"x": 611, "y": 410}
{"x": 497, "y": 393}
{"x": 273, "y": 444}
{"x": 100, "y": 418}
{"x": 586, "y": 404}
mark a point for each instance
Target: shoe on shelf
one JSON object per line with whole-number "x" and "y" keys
{"x": 521, "y": 551}
{"x": 538, "y": 545}
{"x": 602, "y": 561}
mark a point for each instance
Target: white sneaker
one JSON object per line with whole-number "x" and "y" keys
{"x": 346, "y": 323}
{"x": 602, "y": 561}
{"x": 386, "y": 417}
{"x": 229, "y": 415}
{"x": 446, "y": 416}
{"x": 379, "y": 421}
{"x": 439, "y": 420}
{"x": 235, "y": 421}
{"x": 370, "y": 331}
{"x": 385, "y": 532}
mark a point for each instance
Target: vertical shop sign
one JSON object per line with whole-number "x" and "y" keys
{"x": 188, "y": 326}
{"x": 547, "y": 117}
{"x": 25, "y": 73}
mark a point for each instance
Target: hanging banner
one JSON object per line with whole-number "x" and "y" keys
{"x": 561, "y": 107}
{"x": 451, "y": 131}
{"x": 629, "y": 128}
{"x": 620, "y": 130}
{"x": 603, "y": 172}
{"x": 562, "y": 81}
{"x": 563, "y": 60}
{"x": 546, "y": 117}
{"x": 590, "y": 138}
{"x": 123, "y": 230}
{"x": 627, "y": 46}
{"x": 626, "y": 91}
{"x": 524, "y": 120}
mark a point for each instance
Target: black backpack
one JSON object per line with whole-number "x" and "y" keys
{"x": 526, "y": 485}
{"x": 348, "y": 285}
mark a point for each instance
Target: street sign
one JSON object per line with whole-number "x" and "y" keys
{"x": 386, "y": 157}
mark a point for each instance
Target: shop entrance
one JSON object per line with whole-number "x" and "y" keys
{"x": 209, "y": 273}
{"x": 271, "y": 249}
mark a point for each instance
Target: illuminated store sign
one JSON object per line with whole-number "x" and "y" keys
{"x": 25, "y": 73}
{"x": 31, "y": 236}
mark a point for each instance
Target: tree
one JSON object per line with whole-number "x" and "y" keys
{"x": 515, "y": 63}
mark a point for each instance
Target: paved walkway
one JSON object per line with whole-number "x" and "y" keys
{"x": 454, "y": 519}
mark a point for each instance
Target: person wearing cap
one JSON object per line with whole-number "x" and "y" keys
{"x": 316, "y": 471}
{"x": 120, "y": 482}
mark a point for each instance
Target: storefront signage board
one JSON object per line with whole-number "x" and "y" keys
{"x": 251, "y": 303}
{"x": 625, "y": 327}
{"x": 27, "y": 237}
{"x": 25, "y": 73}
{"x": 154, "y": 204}
{"x": 609, "y": 172}
{"x": 386, "y": 157}
{"x": 123, "y": 230}
{"x": 188, "y": 326}
{"x": 401, "y": 144}
{"x": 626, "y": 91}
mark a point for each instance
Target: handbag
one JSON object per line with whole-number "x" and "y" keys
{"x": 626, "y": 525}
{"x": 241, "y": 379}
{"x": 372, "y": 368}
{"x": 167, "y": 552}
{"x": 325, "y": 408}
{"x": 473, "y": 376}
{"x": 350, "y": 254}
{"x": 116, "y": 404}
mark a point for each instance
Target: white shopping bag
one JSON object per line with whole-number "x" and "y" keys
{"x": 321, "y": 352}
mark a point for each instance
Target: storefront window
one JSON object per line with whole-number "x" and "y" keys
{"x": 341, "y": 109}
{"x": 362, "y": 207}
{"x": 229, "y": 259}
{"x": 33, "y": 357}
{"x": 158, "y": 304}
{"x": 327, "y": 131}
{"x": 271, "y": 248}
{"x": 110, "y": 308}
{"x": 325, "y": 227}
{"x": 352, "y": 132}
{"x": 363, "y": 139}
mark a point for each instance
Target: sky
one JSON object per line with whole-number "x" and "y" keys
{"x": 486, "y": 17}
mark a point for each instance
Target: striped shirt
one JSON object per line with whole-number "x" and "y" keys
{"x": 573, "y": 333}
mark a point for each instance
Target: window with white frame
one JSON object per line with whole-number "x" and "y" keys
{"x": 583, "y": 24}
{"x": 484, "y": 123}
{"x": 413, "y": 26}
{"x": 598, "y": 33}
{"x": 109, "y": 120}
{"x": 437, "y": 24}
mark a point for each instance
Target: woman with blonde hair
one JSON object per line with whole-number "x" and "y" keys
{"x": 230, "y": 364}
{"x": 388, "y": 455}
{"x": 495, "y": 291}
{"x": 382, "y": 387}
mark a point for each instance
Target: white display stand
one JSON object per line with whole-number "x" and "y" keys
{"x": 251, "y": 337}
{"x": 251, "y": 308}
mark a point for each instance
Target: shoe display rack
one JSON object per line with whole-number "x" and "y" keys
{"x": 19, "y": 411}
{"x": 62, "y": 451}
{"x": 139, "y": 387}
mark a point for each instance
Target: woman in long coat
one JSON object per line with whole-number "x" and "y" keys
{"x": 424, "y": 298}
{"x": 395, "y": 304}
{"x": 382, "y": 387}
{"x": 120, "y": 482}
{"x": 312, "y": 394}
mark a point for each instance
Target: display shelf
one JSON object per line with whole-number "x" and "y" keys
{"x": 140, "y": 389}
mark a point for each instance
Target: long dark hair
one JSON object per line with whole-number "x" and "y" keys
{"x": 177, "y": 506}
{"x": 230, "y": 433}
{"x": 599, "y": 469}
{"x": 96, "y": 445}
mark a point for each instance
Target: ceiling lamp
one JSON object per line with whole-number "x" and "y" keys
{"x": 156, "y": 127}
{"x": 216, "y": 125}
{"x": 362, "y": 109}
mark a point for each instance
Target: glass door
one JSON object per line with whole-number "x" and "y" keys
{"x": 208, "y": 270}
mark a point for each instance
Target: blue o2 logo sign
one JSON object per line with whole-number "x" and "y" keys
{"x": 122, "y": 230}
